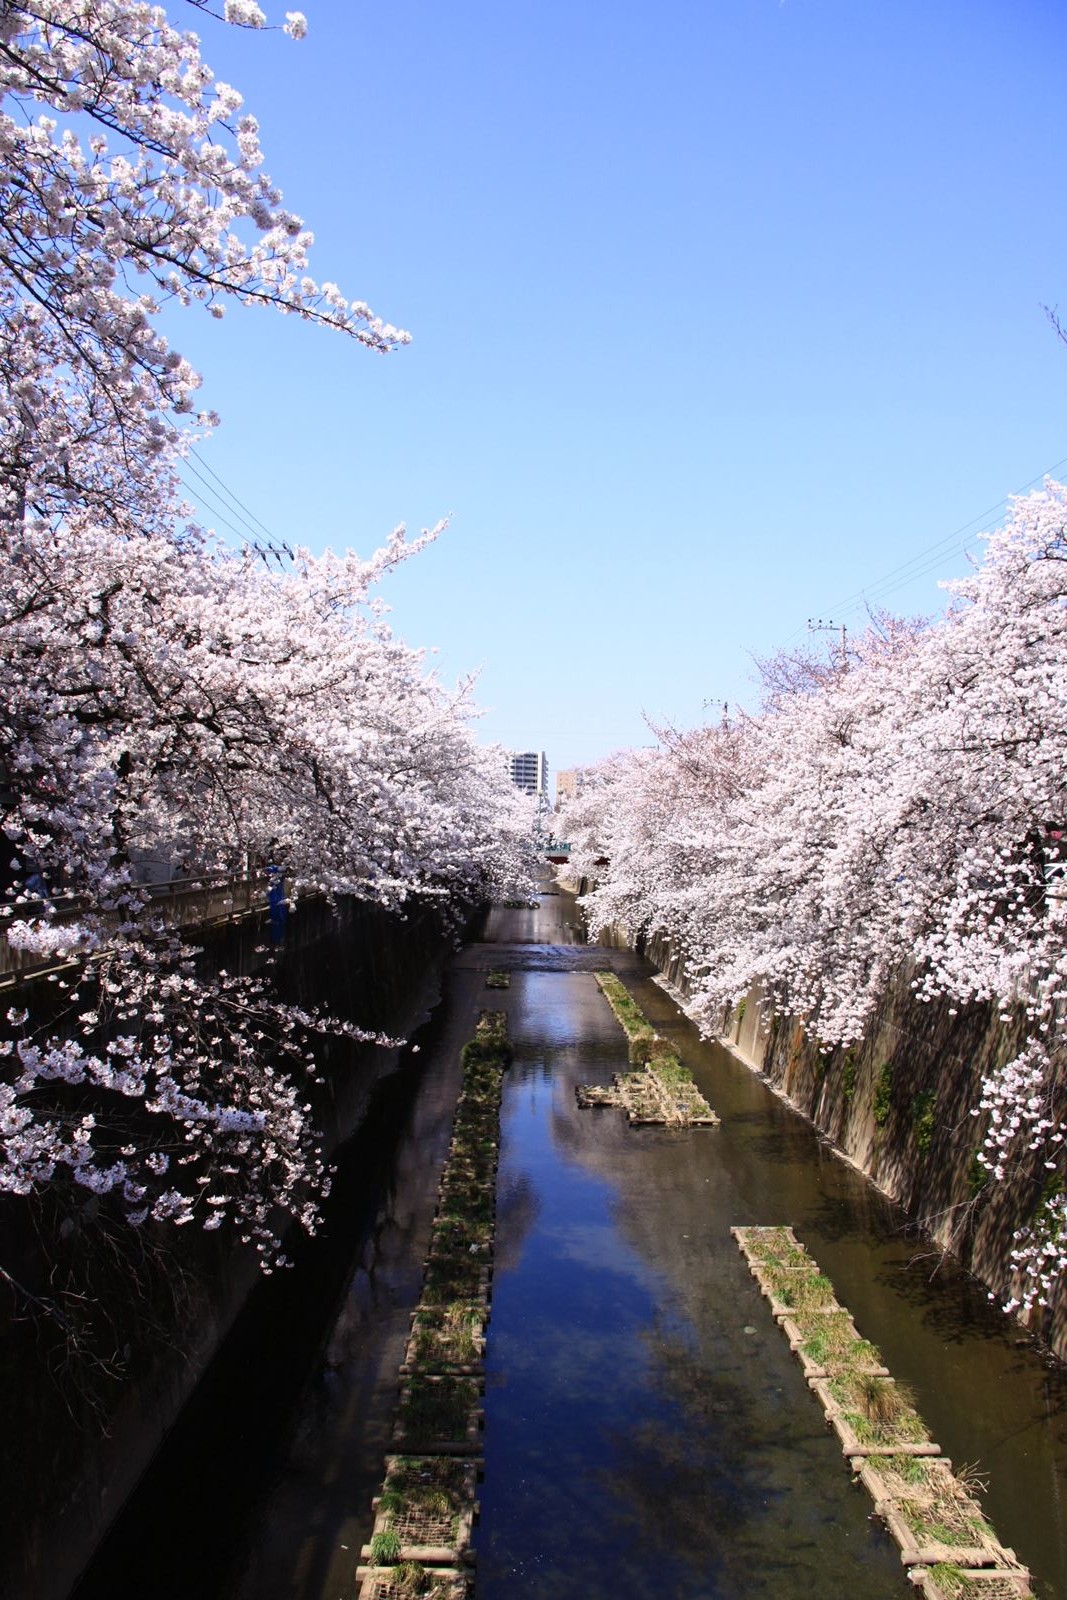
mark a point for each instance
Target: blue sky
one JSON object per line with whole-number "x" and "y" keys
{"x": 723, "y": 311}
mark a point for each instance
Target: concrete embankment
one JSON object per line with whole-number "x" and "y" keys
{"x": 88, "y": 1405}
{"x": 899, "y": 1107}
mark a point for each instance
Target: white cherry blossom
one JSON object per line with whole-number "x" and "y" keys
{"x": 903, "y": 810}
{"x": 164, "y": 698}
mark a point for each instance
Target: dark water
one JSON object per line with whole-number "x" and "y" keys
{"x": 647, "y": 1431}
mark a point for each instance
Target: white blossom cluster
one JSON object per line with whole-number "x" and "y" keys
{"x": 161, "y": 696}
{"x": 182, "y": 1099}
{"x": 904, "y": 807}
{"x": 129, "y": 178}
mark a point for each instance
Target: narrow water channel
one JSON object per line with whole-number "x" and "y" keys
{"x": 647, "y": 1431}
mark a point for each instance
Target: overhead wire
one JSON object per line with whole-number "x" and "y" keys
{"x": 215, "y": 508}
{"x": 236, "y": 500}
{"x": 918, "y": 566}
{"x": 932, "y": 557}
{"x": 253, "y": 528}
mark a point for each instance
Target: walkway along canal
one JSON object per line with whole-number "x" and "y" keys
{"x": 648, "y": 1432}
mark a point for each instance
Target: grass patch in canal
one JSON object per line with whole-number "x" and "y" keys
{"x": 447, "y": 1335}
{"x": 467, "y": 1194}
{"x": 385, "y": 1548}
{"x": 498, "y": 978}
{"x": 832, "y": 1341}
{"x": 879, "y": 1411}
{"x": 930, "y": 1511}
{"x": 899, "y": 1474}
{"x": 425, "y": 1512}
{"x": 475, "y": 1146}
{"x": 946, "y": 1581}
{"x": 452, "y": 1234}
{"x": 801, "y": 1291}
{"x": 927, "y": 1505}
{"x": 636, "y": 1026}
{"x": 477, "y": 1111}
{"x": 411, "y": 1580}
{"x": 662, "y": 1091}
{"x": 437, "y": 1411}
{"x": 490, "y": 1042}
{"x": 450, "y": 1278}
{"x": 473, "y": 1165}
{"x": 776, "y": 1247}
{"x": 475, "y": 1156}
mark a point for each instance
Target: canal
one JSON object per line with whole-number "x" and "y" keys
{"x": 647, "y": 1431}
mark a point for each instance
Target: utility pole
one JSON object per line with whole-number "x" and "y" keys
{"x": 817, "y": 625}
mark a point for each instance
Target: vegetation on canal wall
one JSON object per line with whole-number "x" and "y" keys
{"x": 900, "y": 1107}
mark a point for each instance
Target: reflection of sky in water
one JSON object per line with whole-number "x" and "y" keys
{"x": 628, "y": 1452}
{"x": 560, "y": 1009}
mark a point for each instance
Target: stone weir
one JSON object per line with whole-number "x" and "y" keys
{"x": 94, "y": 1399}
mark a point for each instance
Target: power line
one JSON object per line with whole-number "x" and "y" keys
{"x": 187, "y": 466}
{"x": 221, "y": 510}
{"x": 880, "y": 590}
{"x": 939, "y": 551}
{"x": 193, "y": 451}
{"x": 928, "y": 560}
{"x": 212, "y": 504}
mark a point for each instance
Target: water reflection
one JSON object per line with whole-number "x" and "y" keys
{"x": 639, "y": 1442}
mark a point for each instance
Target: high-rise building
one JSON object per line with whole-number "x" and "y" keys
{"x": 529, "y": 772}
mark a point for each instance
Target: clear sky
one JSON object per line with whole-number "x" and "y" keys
{"x": 723, "y": 311}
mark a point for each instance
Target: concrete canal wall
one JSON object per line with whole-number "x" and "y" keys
{"x": 82, "y": 1425}
{"x": 899, "y": 1107}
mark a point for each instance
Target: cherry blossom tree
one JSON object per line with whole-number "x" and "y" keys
{"x": 163, "y": 696}
{"x": 904, "y": 809}
{"x": 129, "y": 179}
